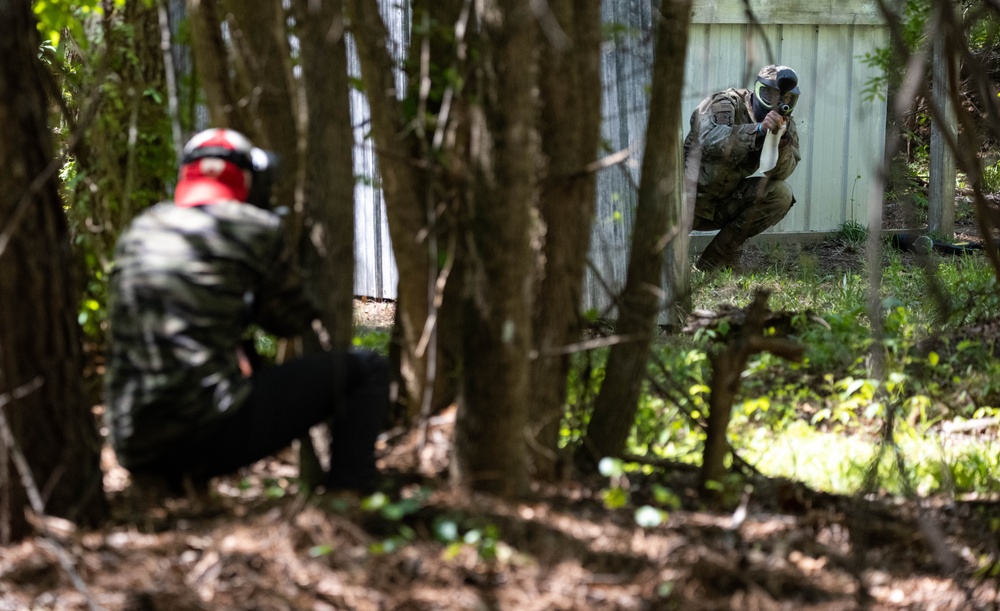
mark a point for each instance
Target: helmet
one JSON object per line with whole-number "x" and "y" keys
{"x": 222, "y": 164}
{"x": 777, "y": 88}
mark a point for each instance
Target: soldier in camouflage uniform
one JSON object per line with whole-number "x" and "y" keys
{"x": 723, "y": 148}
{"x": 189, "y": 277}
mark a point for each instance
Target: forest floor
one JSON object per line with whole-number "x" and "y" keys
{"x": 255, "y": 541}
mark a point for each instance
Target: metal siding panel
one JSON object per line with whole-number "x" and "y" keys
{"x": 867, "y": 129}
{"x": 797, "y": 47}
{"x": 801, "y": 12}
{"x": 696, "y": 86}
{"x": 626, "y": 67}
{"x": 763, "y": 47}
{"x": 829, "y": 141}
{"x": 375, "y": 268}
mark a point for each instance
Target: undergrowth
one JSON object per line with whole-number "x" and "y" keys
{"x": 820, "y": 421}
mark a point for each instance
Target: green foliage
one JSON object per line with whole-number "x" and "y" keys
{"x": 834, "y": 398}
{"x": 991, "y": 178}
{"x": 617, "y": 496}
{"x": 459, "y": 533}
{"x": 374, "y": 338}
{"x": 58, "y": 16}
{"x": 853, "y": 233}
{"x": 913, "y": 17}
{"x": 395, "y": 510}
{"x": 127, "y": 158}
{"x": 583, "y": 382}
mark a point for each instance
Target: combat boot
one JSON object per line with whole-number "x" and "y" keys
{"x": 721, "y": 251}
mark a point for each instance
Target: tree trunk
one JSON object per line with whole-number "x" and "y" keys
{"x": 262, "y": 57}
{"x": 39, "y": 335}
{"x": 329, "y": 168}
{"x": 328, "y": 188}
{"x": 225, "y": 108}
{"x": 419, "y": 181}
{"x": 491, "y": 430}
{"x": 728, "y": 363}
{"x": 661, "y": 197}
{"x": 571, "y": 123}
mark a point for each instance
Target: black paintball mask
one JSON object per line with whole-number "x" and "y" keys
{"x": 777, "y": 88}
{"x": 263, "y": 170}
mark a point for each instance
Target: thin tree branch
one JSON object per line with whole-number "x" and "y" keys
{"x": 168, "y": 65}
{"x": 34, "y": 496}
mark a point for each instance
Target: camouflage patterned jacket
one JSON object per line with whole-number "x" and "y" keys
{"x": 186, "y": 283}
{"x": 723, "y": 136}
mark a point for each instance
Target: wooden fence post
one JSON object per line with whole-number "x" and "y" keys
{"x": 941, "y": 188}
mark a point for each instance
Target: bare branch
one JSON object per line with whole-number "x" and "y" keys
{"x": 34, "y": 496}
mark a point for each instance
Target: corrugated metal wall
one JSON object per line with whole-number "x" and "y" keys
{"x": 841, "y": 133}
{"x": 375, "y": 273}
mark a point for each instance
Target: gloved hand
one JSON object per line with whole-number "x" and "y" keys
{"x": 771, "y": 122}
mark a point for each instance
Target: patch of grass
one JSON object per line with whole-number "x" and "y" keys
{"x": 376, "y": 339}
{"x": 853, "y": 232}
{"x": 932, "y": 464}
{"x": 991, "y": 178}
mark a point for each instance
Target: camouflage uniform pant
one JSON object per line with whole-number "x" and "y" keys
{"x": 755, "y": 205}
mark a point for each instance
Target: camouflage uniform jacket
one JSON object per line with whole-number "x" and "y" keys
{"x": 186, "y": 283}
{"x": 724, "y": 137}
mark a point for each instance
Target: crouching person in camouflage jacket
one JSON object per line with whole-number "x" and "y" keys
{"x": 189, "y": 277}
{"x": 723, "y": 149}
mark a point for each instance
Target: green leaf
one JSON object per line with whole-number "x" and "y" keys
{"x": 615, "y": 498}
{"x": 452, "y": 551}
{"x": 374, "y": 502}
{"x": 446, "y": 530}
{"x": 649, "y": 517}
{"x": 715, "y": 486}
{"x": 611, "y": 467}
{"x": 665, "y": 496}
{"x": 317, "y": 551}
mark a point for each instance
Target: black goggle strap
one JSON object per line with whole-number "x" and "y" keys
{"x": 240, "y": 160}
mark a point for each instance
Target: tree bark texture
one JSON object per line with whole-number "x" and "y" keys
{"x": 661, "y": 197}
{"x": 329, "y": 168}
{"x": 262, "y": 57}
{"x": 39, "y": 335}
{"x": 727, "y": 367}
{"x": 120, "y": 138}
{"x": 491, "y": 429}
{"x": 570, "y": 131}
{"x": 212, "y": 65}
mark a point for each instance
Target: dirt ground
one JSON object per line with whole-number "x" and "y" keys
{"x": 256, "y": 541}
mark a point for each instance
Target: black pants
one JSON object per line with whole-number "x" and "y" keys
{"x": 349, "y": 389}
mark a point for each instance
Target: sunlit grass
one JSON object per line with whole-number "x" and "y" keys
{"x": 840, "y": 463}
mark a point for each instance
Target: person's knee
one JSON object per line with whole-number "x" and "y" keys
{"x": 776, "y": 203}
{"x": 779, "y": 193}
{"x": 367, "y": 367}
